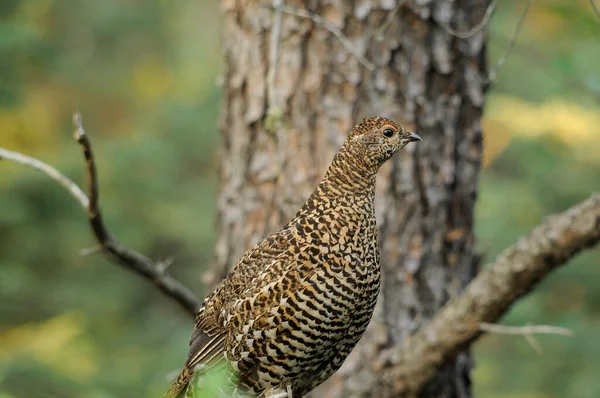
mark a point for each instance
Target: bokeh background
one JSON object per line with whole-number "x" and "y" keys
{"x": 145, "y": 76}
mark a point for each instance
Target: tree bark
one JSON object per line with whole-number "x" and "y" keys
{"x": 283, "y": 121}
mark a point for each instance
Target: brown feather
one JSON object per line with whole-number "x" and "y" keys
{"x": 295, "y": 305}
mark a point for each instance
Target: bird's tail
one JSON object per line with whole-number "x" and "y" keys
{"x": 177, "y": 389}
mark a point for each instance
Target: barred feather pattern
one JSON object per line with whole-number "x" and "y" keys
{"x": 294, "y": 306}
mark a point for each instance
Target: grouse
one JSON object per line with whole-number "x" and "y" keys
{"x": 291, "y": 310}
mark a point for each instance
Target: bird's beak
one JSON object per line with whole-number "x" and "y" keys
{"x": 412, "y": 137}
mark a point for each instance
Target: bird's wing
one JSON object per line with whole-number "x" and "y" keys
{"x": 205, "y": 349}
{"x": 250, "y": 275}
{"x": 207, "y": 342}
{"x": 285, "y": 277}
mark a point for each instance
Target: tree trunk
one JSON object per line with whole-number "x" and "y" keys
{"x": 283, "y": 121}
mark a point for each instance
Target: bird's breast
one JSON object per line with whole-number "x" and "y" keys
{"x": 347, "y": 267}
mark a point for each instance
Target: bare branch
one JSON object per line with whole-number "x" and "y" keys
{"x": 274, "y": 54}
{"x": 534, "y": 343}
{"x": 317, "y": 19}
{"x": 541, "y": 62}
{"x": 380, "y": 34}
{"x": 514, "y": 273}
{"x": 527, "y": 331}
{"x": 128, "y": 258}
{"x": 50, "y": 171}
{"x": 511, "y": 44}
{"x": 163, "y": 265}
{"x": 524, "y": 330}
{"x": 483, "y": 23}
{"x": 92, "y": 176}
{"x": 88, "y": 251}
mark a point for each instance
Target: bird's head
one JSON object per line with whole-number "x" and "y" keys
{"x": 369, "y": 145}
{"x": 378, "y": 138}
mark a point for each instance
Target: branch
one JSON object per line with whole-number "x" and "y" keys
{"x": 514, "y": 273}
{"x": 128, "y": 258}
{"x": 380, "y": 33}
{"x": 511, "y": 45}
{"x": 540, "y": 62}
{"x": 468, "y": 33}
{"x": 524, "y": 330}
{"x": 317, "y": 19}
{"x": 274, "y": 54}
{"x": 49, "y": 171}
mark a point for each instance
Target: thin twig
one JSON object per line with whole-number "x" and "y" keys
{"x": 524, "y": 330}
{"x": 483, "y": 23}
{"x": 540, "y": 62}
{"x": 274, "y": 53}
{"x": 527, "y": 331}
{"x": 88, "y": 251}
{"x": 92, "y": 175}
{"x": 595, "y": 7}
{"x": 534, "y": 343}
{"x": 380, "y": 34}
{"x": 511, "y": 44}
{"x": 317, "y": 19}
{"x": 163, "y": 265}
{"x": 50, "y": 171}
{"x": 128, "y": 258}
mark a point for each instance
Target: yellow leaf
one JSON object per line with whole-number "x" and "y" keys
{"x": 496, "y": 138}
{"x": 58, "y": 342}
{"x": 151, "y": 80}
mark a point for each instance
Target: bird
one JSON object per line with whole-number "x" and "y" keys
{"x": 294, "y": 306}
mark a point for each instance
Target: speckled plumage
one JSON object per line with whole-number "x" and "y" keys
{"x": 294, "y": 306}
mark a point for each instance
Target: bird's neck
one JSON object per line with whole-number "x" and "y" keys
{"x": 350, "y": 173}
{"x": 348, "y": 185}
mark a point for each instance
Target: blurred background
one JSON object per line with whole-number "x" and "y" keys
{"x": 144, "y": 74}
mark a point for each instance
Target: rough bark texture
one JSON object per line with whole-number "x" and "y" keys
{"x": 423, "y": 77}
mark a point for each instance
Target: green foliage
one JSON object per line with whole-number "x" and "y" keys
{"x": 216, "y": 382}
{"x": 74, "y": 326}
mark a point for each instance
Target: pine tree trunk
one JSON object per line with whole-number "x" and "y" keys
{"x": 281, "y": 126}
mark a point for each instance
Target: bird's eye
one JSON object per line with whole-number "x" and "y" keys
{"x": 388, "y": 133}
